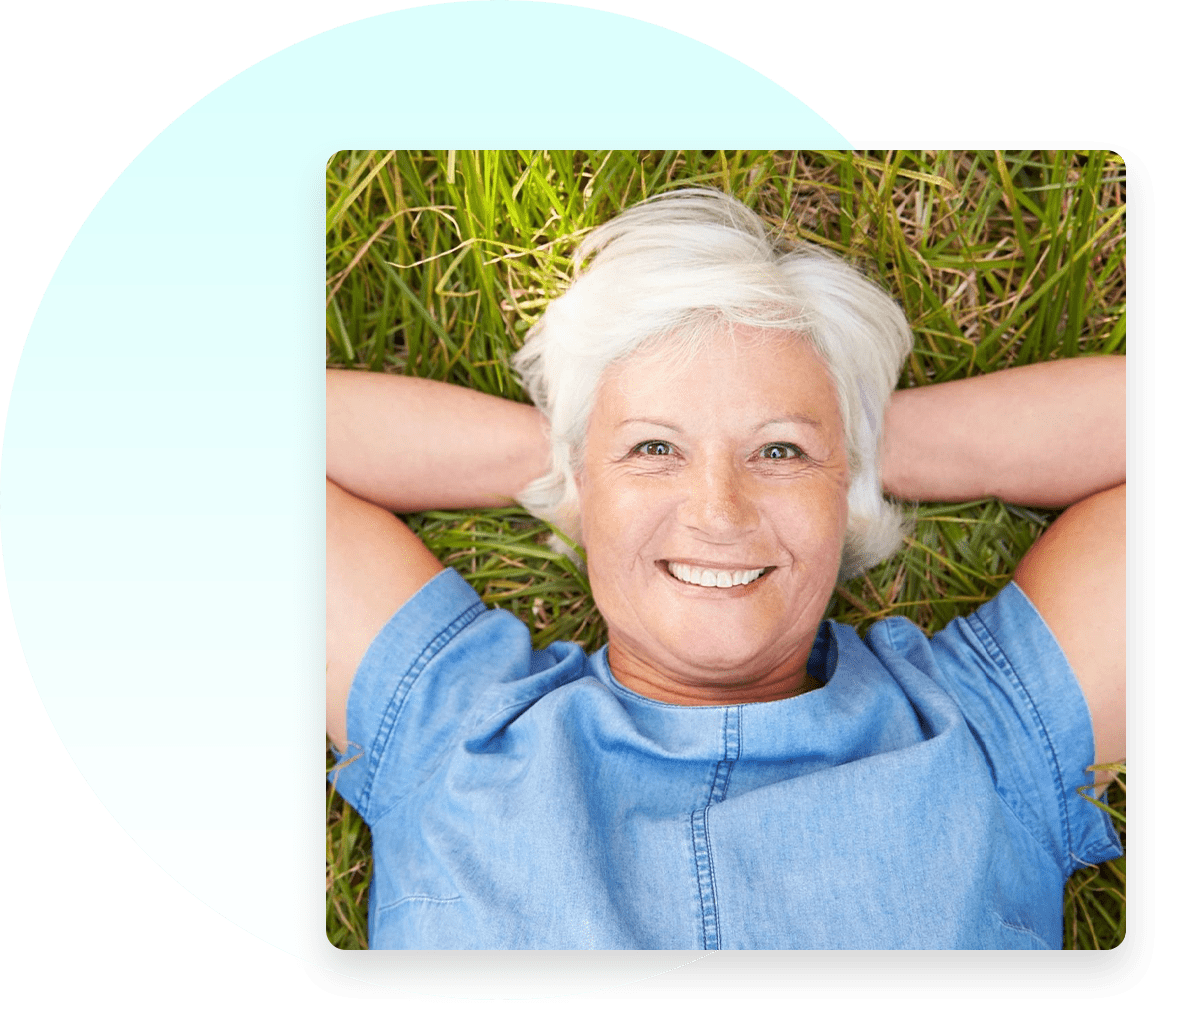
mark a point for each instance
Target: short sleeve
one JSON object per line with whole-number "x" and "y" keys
{"x": 418, "y": 683}
{"x": 1026, "y": 710}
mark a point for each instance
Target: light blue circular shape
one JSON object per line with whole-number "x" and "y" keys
{"x": 162, "y": 514}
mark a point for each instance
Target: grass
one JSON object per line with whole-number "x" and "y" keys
{"x": 439, "y": 262}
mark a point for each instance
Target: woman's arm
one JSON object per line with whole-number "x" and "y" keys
{"x": 1051, "y": 435}
{"x": 412, "y": 444}
{"x": 397, "y": 444}
{"x": 1048, "y": 435}
{"x": 1075, "y": 575}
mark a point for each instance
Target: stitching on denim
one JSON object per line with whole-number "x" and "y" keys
{"x": 473, "y": 719}
{"x": 417, "y": 897}
{"x": 481, "y": 717}
{"x": 716, "y": 793}
{"x": 1018, "y": 928}
{"x": 715, "y": 898}
{"x": 705, "y": 882}
{"x": 696, "y": 856}
{"x": 995, "y": 653}
{"x": 1001, "y": 660}
{"x": 730, "y": 748}
{"x": 739, "y": 748}
{"x": 401, "y": 693}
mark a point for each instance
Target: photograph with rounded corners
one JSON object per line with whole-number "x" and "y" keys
{"x": 725, "y": 550}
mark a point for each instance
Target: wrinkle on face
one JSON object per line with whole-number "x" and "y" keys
{"x": 712, "y": 498}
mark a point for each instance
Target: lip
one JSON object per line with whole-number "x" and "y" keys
{"x": 722, "y": 566}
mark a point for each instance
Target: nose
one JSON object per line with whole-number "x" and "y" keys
{"x": 716, "y": 502}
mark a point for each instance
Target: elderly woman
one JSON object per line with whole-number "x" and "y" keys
{"x": 715, "y": 427}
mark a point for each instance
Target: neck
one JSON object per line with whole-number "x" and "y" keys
{"x": 709, "y": 688}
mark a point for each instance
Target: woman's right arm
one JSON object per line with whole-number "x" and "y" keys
{"x": 411, "y": 444}
{"x": 397, "y": 444}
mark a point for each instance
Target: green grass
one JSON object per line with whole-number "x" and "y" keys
{"x": 439, "y": 262}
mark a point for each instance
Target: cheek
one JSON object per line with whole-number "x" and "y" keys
{"x": 817, "y": 524}
{"x": 835, "y": 516}
{"x": 597, "y": 518}
{"x": 619, "y": 523}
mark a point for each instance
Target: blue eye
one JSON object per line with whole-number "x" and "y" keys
{"x": 654, "y": 449}
{"x": 781, "y": 450}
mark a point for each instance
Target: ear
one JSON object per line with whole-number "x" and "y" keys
{"x": 570, "y": 518}
{"x": 570, "y": 522}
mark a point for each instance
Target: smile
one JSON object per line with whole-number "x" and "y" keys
{"x": 724, "y": 578}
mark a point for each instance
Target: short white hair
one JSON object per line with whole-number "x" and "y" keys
{"x": 681, "y": 267}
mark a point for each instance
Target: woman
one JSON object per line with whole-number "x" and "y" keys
{"x": 730, "y": 771}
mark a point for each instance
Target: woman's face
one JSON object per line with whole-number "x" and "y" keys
{"x": 714, "y": 504}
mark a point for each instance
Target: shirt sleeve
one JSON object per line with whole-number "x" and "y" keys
{"x": 1027, "y": 712}
{"x": 416, "y": 685}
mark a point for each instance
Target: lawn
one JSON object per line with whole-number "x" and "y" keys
{"x": 438, "y": 263}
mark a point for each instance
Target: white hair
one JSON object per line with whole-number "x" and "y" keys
{"x": 681, "y": 267}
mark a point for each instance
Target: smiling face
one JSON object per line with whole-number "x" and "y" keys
{"x": 714, "y": 504}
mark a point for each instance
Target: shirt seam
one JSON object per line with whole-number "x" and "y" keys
{"x": 428, "y": 898}
{"x": 889, "y": 629}
{"x": 705, "y": 880}
{"x": 401, "y": 692}
{"x": 1003, "y": 662}
{"x": 1019, "y": 928}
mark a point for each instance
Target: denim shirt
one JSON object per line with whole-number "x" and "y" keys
{"x": 926, "y": 797}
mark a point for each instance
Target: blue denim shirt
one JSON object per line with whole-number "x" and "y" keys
{"x": 926, "y": 797}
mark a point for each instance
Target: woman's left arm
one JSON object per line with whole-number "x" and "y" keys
{"x": 1051, "y": 435}
{"x": 1047, "y": 435}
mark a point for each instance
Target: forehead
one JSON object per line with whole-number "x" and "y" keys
{"x": 742, "y": 371}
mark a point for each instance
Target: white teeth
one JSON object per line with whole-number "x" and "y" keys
{"x": 719, "y": 577}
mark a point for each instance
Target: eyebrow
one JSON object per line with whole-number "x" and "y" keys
{"x": 790, "y": 419}
{"x": 655, "y": 421}
{"x": 783, "y": 419}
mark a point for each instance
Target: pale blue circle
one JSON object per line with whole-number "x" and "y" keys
{"x": 162, "y": 513}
